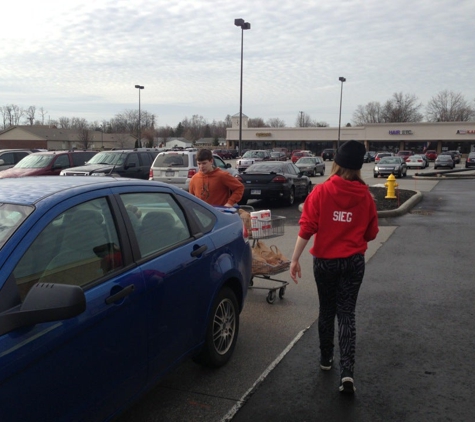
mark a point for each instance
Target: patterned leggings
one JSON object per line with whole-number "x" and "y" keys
{"x": 338, "y": 283}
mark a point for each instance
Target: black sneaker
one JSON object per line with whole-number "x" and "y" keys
{"x": 326, "y": 363}
{"x": 347, "y": 384}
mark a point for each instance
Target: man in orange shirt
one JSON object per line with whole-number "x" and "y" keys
{"x": 213, "y": 185}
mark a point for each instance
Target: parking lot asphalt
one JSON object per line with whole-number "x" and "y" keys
{"x": 274, "y": 374}
{"x": 415, "y": 325}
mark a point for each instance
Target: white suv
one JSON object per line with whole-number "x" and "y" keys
{"x": 178, "y": 167}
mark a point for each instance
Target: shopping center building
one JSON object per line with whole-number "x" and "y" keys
{"x": 417, "y": 137}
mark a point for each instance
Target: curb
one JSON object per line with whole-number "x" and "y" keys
{"x": 403, "y": 209}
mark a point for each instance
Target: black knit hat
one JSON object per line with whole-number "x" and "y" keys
{"x": 350, "y": 155}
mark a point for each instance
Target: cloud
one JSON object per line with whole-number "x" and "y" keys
{"x": 84, "y": 58}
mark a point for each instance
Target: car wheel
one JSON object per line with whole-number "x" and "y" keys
{"x": 222, "y": 331}
{"x": 314, "y": 173}
{"x": 322, "y": 172}
{"x": 291, "y": 198}
{"x": 375, "y": 175}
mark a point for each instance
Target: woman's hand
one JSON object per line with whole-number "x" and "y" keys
{"x": 295, "y": 271}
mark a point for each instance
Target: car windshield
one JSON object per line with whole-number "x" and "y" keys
{"x": 390, "y": 160}
{"x": 34, "y": 161}
{"x": 110, "y": 158}
{"x": 11, "y": 217}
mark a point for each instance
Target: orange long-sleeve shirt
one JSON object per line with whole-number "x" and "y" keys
{"x": 217, "y": 187}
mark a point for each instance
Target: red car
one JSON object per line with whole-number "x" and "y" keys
{"x": 431, "y": 154}
{"x": 405, "y": 154}
{"x": 299, "y": 154}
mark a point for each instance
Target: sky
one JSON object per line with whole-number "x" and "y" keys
{"x": 83, "y": 58}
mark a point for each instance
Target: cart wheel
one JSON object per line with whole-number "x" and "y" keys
{"x": 281, "y": 292}
{"x": 251, "y": 282}
{"x": 271, "y": 297}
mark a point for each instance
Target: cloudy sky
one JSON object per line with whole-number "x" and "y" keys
{"x": 82, "y": 58}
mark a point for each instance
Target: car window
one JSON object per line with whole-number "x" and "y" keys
{"x": 157, "y": 220}
{"x": 78, "y": 247}
{"x": 80, "y": 158}
{"x": 62, "y": 161}
{"x": 206, "y": 219}
{"x": 133, "y": 159}
{"x": 171, "y": 160}
{"x": 8, "y": 158}
{"x": 146, "y": 159}
{"x": 218, "y": 162}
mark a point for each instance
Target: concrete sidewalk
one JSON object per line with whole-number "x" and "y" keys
{"x": 415, "y": 325}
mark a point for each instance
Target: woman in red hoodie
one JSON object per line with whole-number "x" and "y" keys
{"x": 342, "y": 216}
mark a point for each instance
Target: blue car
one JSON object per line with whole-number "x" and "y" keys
{"x": 106, "y": 285}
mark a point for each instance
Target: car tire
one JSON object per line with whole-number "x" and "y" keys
{"x": 375, "y": 175}
{"x": 222, "y": 331}
{"x": 322, "y": 172}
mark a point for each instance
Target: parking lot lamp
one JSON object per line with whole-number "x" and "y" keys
{"x": 139, "y": 131}
{"x": 243, "y": 25}
{"x": 341, "y": 79}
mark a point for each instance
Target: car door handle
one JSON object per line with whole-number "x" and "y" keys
{"x": 199, "y": 251}
{"x": 120, "y": 295}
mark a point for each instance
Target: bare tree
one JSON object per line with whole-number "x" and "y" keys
{"x": 65, "y": 123}
{"x": 448, "y": 106}
{"x": 275, "y": 122}
{"x": 3, "y": 111}
{"x": 30, "y": 114}
{"x": 256, "y": 122}
{"x": 43, "y": 114}
{"x": 322, "y": 124}
{"x": 304, "y": 120}
{"x": 402, "y": 108}
{"x": 370, "y": 113}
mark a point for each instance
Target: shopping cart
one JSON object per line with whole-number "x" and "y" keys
{"x": 267, "y": 228}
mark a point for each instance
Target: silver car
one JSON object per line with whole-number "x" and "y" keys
{"x": 311, "y": 166}
{"x": 178, "y": 167}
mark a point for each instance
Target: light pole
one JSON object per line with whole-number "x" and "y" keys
{"x": 341, "y": 79}
{"x": 243, "y": 25}
{"x": 139, "y": 87}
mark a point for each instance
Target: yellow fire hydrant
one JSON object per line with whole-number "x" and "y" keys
{"x": 391, "y": 185}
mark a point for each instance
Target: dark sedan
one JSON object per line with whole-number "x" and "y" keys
{"x": 390, "y": 165}
{"x": 274, "y": 180}
{"x": 470, "y": 162}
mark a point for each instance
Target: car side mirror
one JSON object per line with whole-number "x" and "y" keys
{"x": 45, "y": 302}
{"x": 228, "y": 166}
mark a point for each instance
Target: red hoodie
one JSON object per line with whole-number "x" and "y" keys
{"x": 342, "y": 215}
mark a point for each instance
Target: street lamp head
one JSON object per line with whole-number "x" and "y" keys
{"x": 242, "y": 24}
{"x": 342, "y": 79}
{"x": 139, "y": 86}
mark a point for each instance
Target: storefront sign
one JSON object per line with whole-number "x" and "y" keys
{"x": 465, "y": 132}
{"x": 263, "y": 134}
{"x": 401, "y": 132}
